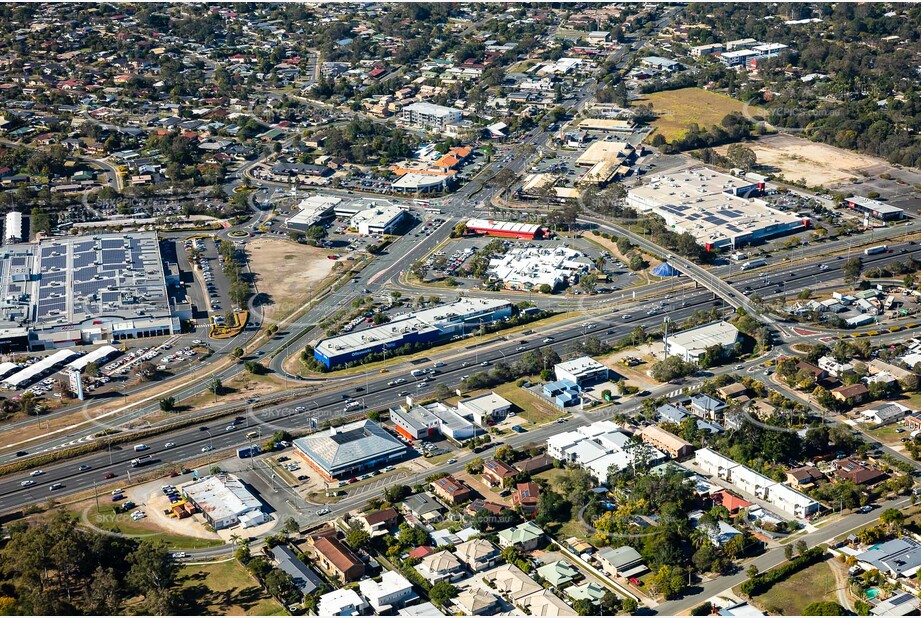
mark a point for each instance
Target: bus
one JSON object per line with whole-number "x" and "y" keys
{"x": 422, "y": 203}
{"x": 753, "y": 264}
{"x": 874, "y": 250}
{"x": 432, "y": 211}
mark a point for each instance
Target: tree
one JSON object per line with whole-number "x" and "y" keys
{"x": 216, "y": 386}
{"x": 91, "y": 370}
{"x": 356, "y": 537}
{"x": 741, "y": 156}
{"x": 852, "y": 269}
{"x": 281, "y": 586}
{"x": 801, "y": 547}
{"x": 254, "y": 367}
{"x": 584, "y": 607}
{"x": 153, "y": 573}
{"x": 290, "y": 526}
{"x": 238, "y": 352}
{"x": 894, "y": 519}
{"x": 788, "y": 551}
{"x": 103, "y": 596}
{"x": 824, "y": 608}
{"x": 552, "y": 507}
{"x": 506, "y": 453}
{"x": 668, "y": 581}
{"x": 474, "y": 466}
{"x": 168, "y": 404}
{"x": 752, "y": 571}
{"x": 442, "y": 593}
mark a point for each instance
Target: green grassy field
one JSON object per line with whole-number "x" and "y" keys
{"x": 679, "y": 108}
{"x": 107, "y": 519}
{"x": 225, "y": 589}
{"x": 787, "y": 598}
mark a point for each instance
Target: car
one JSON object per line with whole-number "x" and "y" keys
{"x": 36, "y": 473}
{"x": 202, "y": 428}
{"x": 323, "y": 511}
{"x": 169, "y": 445}
{"x": 230, "y": 428}
{"x": 109, "y": 475}
{"x": 205, "y": 449}
{"x": 55, "y": 486}
{"x": 84, "y": 468}
{"x": 866, "y": 509}
{"x": 451, "y": 461}
{"x": 739, "y": 367}
{"x": 21, "y": 453}
{"x": 179, "y": 555}
{"x": 27, "y": 483}
{"x": 548, "y": 339}
{"x": 303, "y": 477}
{"x": 626, "y": 316}
{"x": 521, "y": 347}
{"x": 823, "y": 266}
{"x": 484, "y": 364}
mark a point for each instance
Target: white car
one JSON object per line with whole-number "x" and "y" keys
{"x": 451, "y": 461}
{"x": 323, "y": 512}
{"x": 27, "y": 483}
{"x": 823, "y": 266}
{"x": 169, "y": 445}
{"x": 205, "y": 449}
{"x": 36, "y": 473}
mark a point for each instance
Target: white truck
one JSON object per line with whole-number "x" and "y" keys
{"x": 753, "y": 264}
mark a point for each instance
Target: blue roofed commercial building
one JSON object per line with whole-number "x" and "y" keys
{"x": 350, "y": 449}
{"x": 421, "y": 327}
{"x": 717, "y": 209}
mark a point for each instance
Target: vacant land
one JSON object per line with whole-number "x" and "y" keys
{"x": 787, "y": 599}
{"x": 809, "y": 163}
{"x": 106, "y": 519}
{"x": 285, "y": 273}
{"x": 225, "y": 589}
{"x": 679, "y": 108}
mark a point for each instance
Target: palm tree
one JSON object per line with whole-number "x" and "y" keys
{"x": 235, "y": 538}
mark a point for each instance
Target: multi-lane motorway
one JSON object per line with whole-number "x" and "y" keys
{"x": 376, "y": 393}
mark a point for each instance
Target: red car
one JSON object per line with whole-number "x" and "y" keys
{"x": 109, "y": 475}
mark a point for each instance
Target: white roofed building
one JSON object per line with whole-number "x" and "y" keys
{"x": 692, "y": 343}
{"x": 223, "y": 499}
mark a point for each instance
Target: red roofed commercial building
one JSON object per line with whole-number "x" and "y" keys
{"x": 505, "y": 229}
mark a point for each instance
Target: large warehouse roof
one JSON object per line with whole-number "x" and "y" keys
{"x": 67, "y": 281}
{"x": 97, "y": 355}
{"x": 349, "y": 445}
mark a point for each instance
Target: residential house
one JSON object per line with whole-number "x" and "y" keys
{"x": 912, "y": 421}
{"x": 851, "y": 394}
{"x": 858, "y": 473}
{"x": 833, "y": 367}
{"x": 440, "y": 567}
{"x": 621, "y": 561}
{"x": 804, "y": 476}
{"x": 341, "y": 602}
{"x": 391, "y": 592}
{"x": 418, "y": 553}
{"x": 477, "y": 554}
{"x": 733, "y": 391}
{"x": 306, "y": 581}
{"x": 545, "y": 603}
{"x": 559, "y": 573}
{"x": 676, "y": 447}
{"x": 480, "y": 504}
{"x": 706, "y": 406}
{"x": 524, "y": 537}
{"x": 497, "y": 473}
{"x": 511, "y": 582}
{"x": 904, "y": 604}
{"x": 589, "y": 591}
{"x": 527, "y": 497}
{"x": 424, "y": 507}
{"x": 894, "y": 559}
{"x": 452, "y": 490}
{"x": 477, "y": 602}
{"x": 420, "y": 609}
{"x": 817, "y": 372}
{"x": 379, "y": 522}
{"x": 535, "y": 465}
{"x": 336, "y": 560}
{"x": 729, "y": 501}
{"x": 884, "y": 414}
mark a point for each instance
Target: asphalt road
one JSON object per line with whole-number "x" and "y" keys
{"x": 377, "y": 394}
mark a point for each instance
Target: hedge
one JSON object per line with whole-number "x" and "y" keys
{"x": 762, "y": 582}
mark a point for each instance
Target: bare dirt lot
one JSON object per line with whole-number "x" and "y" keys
{"x": 285, "y": 272}
{"x": 800, "y": 160}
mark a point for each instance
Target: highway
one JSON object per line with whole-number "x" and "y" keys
{"x": 377, "y": 394}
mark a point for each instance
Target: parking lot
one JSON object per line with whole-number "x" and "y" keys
{"x": 209, "y": 268}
